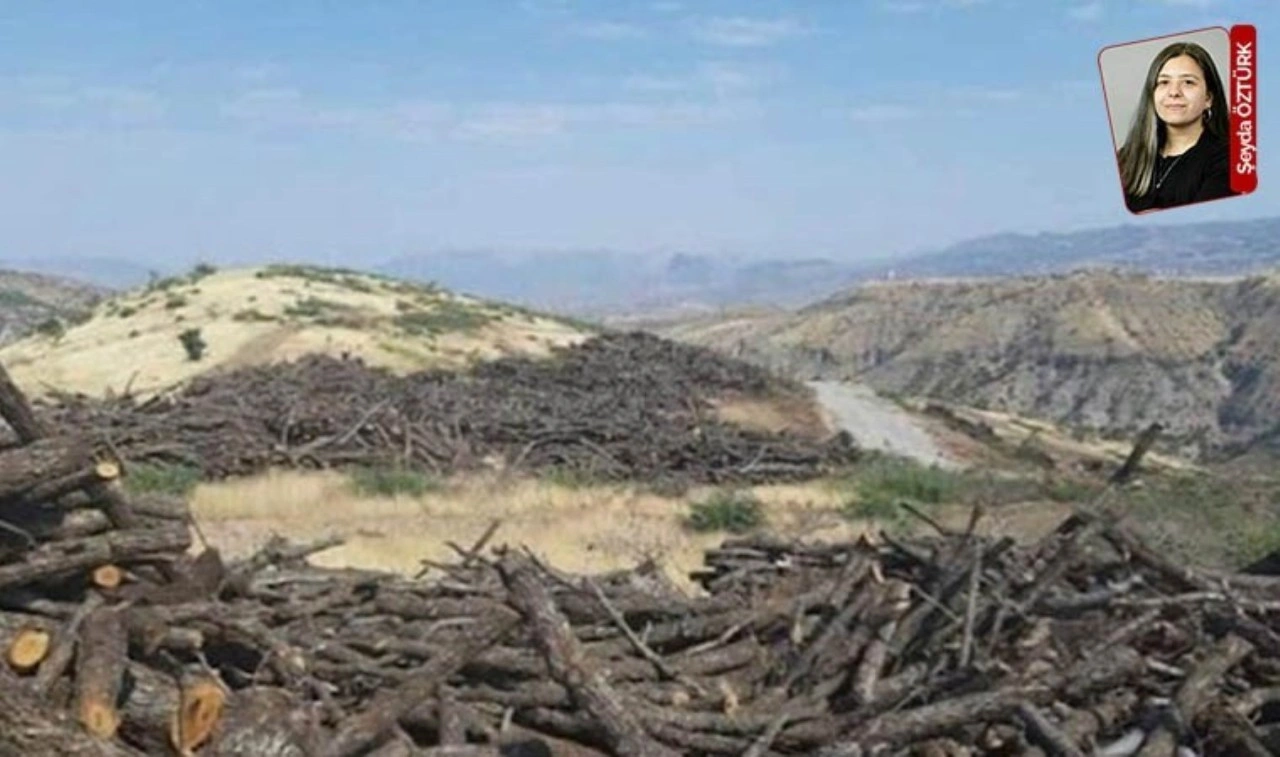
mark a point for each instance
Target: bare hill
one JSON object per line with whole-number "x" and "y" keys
{"x": 253, "y": 316}
{"x": 1099, "y": 350}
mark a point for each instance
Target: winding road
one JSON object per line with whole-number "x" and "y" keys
{"x": 878, "y": 423}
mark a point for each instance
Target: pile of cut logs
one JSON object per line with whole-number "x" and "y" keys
{"x": 617, "y": 407}
{"x": 123, "y": 634}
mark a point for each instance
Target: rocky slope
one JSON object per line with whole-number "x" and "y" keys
{"x": 33, "y": 301}
{"x": 1098, "y": 350}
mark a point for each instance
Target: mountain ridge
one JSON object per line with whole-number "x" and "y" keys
{"x": 605, "y": 283}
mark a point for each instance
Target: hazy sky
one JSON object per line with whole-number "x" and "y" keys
{"x": 361, "y": 130}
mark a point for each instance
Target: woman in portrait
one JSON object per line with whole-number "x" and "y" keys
{"x": 1176, "y": 151}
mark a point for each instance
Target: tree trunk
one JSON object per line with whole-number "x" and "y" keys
{"x": 99, "y": 671}
{"x": 263, "y": 722}
{"x": 30, "y": 728}
{"x": 366, "y": 729}
{"x": 567, "y": 660}
{"x": 41, "y": 462}
{"x": 17, "y": 411}
{"x": 58, "y": 559}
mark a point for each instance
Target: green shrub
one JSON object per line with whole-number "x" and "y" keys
{"x": 202, "y": 270}
{"x": 728, "y": 510}
{"x": 52, "y": 327}
{"x": 193, "y": 343}
{"x": 162, "y": 479}
{"x": 390, "y": 481}
{"x": 251, "y": 315}
{"x": 444, "y": 317}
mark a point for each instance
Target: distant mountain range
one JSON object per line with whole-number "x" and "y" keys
{"x": 1220, "y": 248}
{"x": 611, "y": 283}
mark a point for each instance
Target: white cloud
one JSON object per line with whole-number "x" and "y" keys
{"x": 740, "y": 31}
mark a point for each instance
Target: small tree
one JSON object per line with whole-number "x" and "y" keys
{"x": 52, "y": 327}
{"x": 193, "y": 343}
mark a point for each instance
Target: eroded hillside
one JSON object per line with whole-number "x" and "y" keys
{"x": 253, "y": 316}
{"x": 1098, "y": 350}
{"x": 33, "y": 302}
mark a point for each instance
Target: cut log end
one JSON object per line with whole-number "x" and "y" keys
{"x": 108, "y": 576}
{"x": 99, "y": 718}
{"x": 28, "y": 649}
{"x": 199, "y": 710}
{"x": 107, "y": 470}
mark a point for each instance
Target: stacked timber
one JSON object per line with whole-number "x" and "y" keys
{"x": 618, "y": 407}
{"x": 123, "y": 634}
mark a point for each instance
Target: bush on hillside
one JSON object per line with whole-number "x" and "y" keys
{"x": 193, "y": 343}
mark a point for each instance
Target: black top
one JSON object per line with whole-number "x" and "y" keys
{"x": 1201, "y": 173}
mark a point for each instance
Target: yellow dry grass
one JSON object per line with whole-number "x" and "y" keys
{"x": 579, "y": 529}
{"x": 776, "y": 415}
{"x": 245, "y": 318}
{"x": 1016, "y": 429}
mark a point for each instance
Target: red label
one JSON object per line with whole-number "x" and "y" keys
{"x": 1244, "y": 108}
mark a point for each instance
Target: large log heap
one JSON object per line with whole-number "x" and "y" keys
{"x": 123, "y": 634}
{"x": 621, "y": 406}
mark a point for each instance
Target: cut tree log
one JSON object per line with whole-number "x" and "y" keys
{"x": 57, "y": 559}
{"x": 162, "y": 716}
{"x": 107, "y": 576}
{"x": 31, "y": 728}
{"x": 28, "y": 648}
{"x": 64, "y": 645}
{"x": 366, "y": 729}
{"x": 1197, "y": 690}
{"x": 17, "y": 412}
{"x": 264, "y": 721}
{"x": 24, "y": 639}
{"x": 101, "y": 657}
{"x": 589, "y": 689}
{"x": 41, "y": 462}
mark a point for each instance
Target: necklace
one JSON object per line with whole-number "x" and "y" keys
{"x": 1165, "y": 175}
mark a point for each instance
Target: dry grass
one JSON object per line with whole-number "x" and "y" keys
{"x": 574, "y": 527}
{"x": 1060, "y": 444}
{"x": 247, "y": 319}
{"x": 584, "y": 529}
{"x": 782, "y": 415}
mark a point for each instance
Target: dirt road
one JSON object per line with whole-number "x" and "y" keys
{"x": 878, "y": 423}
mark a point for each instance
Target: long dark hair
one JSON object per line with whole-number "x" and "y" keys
{"x": 1147, "y": 132}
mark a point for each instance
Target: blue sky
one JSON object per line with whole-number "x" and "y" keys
{"x": 357, "y": 131}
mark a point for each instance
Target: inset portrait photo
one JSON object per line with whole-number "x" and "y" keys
{"x": 1169, "y": 101}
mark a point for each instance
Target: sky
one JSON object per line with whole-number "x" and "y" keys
{"x": 240, "y": 131}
